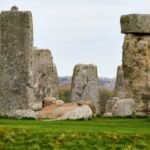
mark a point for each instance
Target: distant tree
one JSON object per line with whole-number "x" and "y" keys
{"x": 65, "y": 93}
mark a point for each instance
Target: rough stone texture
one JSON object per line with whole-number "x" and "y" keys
{"x": 45, "y": 75}
{"x": 0, "y": 31}
{"x": 16, "y": 76}
{"x": 120, "y": 85}
{"x": 28, "y": 113}
{"x": 110, "y": 103}
{"x": 59, "y": 102}
{"x": 108, "y": 114}
{"x": 135, "y": 23}
{"x": 88, "y": 103}
{"x": 65, "y": 111}
{"x": 136, "y": 57}
{"x": 136, "y": 66}
{"x": 52, "y": 100}
{"x": 82, "y": 112}
{"x": 49, "y": 100}
{"x": 124, "y": 107}
{"x": 85, "y": 85}
{"x": 36, "y": 106}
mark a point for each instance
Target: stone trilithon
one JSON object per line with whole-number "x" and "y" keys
{"x": 136, "y": 56}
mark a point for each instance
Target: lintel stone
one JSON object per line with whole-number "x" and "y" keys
{"x": 135, "y": 23}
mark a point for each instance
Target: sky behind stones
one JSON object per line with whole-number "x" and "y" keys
{"x": 80, "y": 31}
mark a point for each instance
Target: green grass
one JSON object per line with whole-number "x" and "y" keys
{"x": 95, "y": 134}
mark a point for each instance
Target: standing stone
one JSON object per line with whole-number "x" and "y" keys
{"x": 16, "y": 76}
{"x": 85, "y": 85}
{"x": 119, "y": 85}
{"x": 46, "y": 79}
{"x": 136, "y": 56}
{"x": 0, "y": 32}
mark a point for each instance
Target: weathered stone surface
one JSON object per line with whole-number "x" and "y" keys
{"x": 52, "y": 100}
{"x": 49, "y": 100}
{"x": 28, "y": 113}
{"x": 120, "y": 85}
{"x": 85, "y": 85}
{"x": 136, "y": 66}
{"x": 45, "y": 75}
{"x": 124, "y": 107}
{"x": 66, "y": 111}
{"x": 0, "y": 31}
{"x": 108, "y": 114}
{"x": 80, "y": 112}
{"x": 110, "y": 103}
{"x": 135, "y": 23}
{"x": 88, "y": 103}
{"x": 59, "y": 102}
{"x": 16, "y": 73}
{"x": 36, "y": 106}
{"x": 136, "y": 58}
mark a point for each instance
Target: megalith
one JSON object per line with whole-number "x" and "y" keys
{"x": 45, "y": 75}
{"x": 119, "y": 84}
{"x": 16, "y": 60}
{"x": 136, "y": 56}
{"x": 85, "y": 85}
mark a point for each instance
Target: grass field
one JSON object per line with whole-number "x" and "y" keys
{"x": 95, "y": 134}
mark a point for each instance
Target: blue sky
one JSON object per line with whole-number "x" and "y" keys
{"x": 80, "y": 31}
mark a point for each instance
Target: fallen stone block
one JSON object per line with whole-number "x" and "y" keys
{"x": 66, "y": 111}
{"x": 28, "y": 113}
{"x": 49, "y": 100}
{"x": 107, "y": 114}
{"x": 124, "y": 107}
{"x": 59, "y": 102}
{"x": 36, "y": 106}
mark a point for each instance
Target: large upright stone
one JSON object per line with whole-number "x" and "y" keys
{"x": 135, "y": 23}
{"x": 85, "y": 84}
{"x": 16, "y": 75}
{"x": 119, "y": 84}
{"x": 46, "y": 79}
{"x": 136, "y": 64}
{"x": 0, "y": 31}
{"x": 136, "y": 59}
